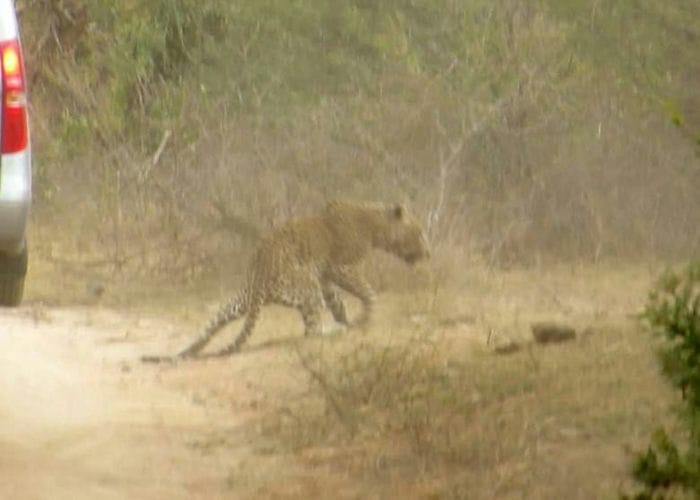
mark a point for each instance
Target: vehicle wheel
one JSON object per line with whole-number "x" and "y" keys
{"x": 13, "y": 269}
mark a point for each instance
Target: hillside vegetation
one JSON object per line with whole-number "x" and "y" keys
{"x": 168, "y": 132}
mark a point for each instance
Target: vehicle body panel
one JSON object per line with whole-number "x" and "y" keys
{"x": 15, "y": 168}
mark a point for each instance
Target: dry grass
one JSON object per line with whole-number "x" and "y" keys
{"x": 541, "y": 425}
{"x": 419, "y": 406}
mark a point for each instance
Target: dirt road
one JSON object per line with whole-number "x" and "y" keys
{"x": 82, "y": 418}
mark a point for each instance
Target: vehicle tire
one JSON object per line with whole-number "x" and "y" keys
{"x": 13, "y": 269}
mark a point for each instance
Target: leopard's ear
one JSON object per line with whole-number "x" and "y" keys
{"x": 398, "y": 211}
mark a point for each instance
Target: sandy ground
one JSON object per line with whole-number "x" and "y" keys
{"x": 82, "y": 418}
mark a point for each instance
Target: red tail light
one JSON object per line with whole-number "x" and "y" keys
{"x": 14, "y": 100}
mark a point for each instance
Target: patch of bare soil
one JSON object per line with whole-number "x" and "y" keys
{"x": 81, "y": 418}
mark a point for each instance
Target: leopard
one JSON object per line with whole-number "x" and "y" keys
{"x": 305, "y": 262}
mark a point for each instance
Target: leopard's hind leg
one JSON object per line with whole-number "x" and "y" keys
{"x": 334, "y": 303}
{"x": 230, "y": 311}
{"x": 254, "y": 307}
{"x": 305, "y": 296}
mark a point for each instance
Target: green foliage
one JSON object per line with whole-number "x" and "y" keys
{"x": 673, "y": 312}
{"x": 123, "y": 80}
{"x": 662, "y": 467}
{"x": 650, "y": 47}
{"x": 140, "y": 60}
{"x": 282, "y": 54}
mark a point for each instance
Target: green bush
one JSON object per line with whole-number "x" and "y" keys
{"x": 673, "y": 312}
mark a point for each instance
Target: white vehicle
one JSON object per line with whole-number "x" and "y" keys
{"x": 15, "y": 160}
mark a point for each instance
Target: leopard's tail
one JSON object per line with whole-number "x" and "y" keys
{"x": 230, "y": 311}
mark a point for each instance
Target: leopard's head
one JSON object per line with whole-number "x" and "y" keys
{"x": 406, "y": 238}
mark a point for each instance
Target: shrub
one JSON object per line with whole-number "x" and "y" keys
{"x": 673, "y": 312}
